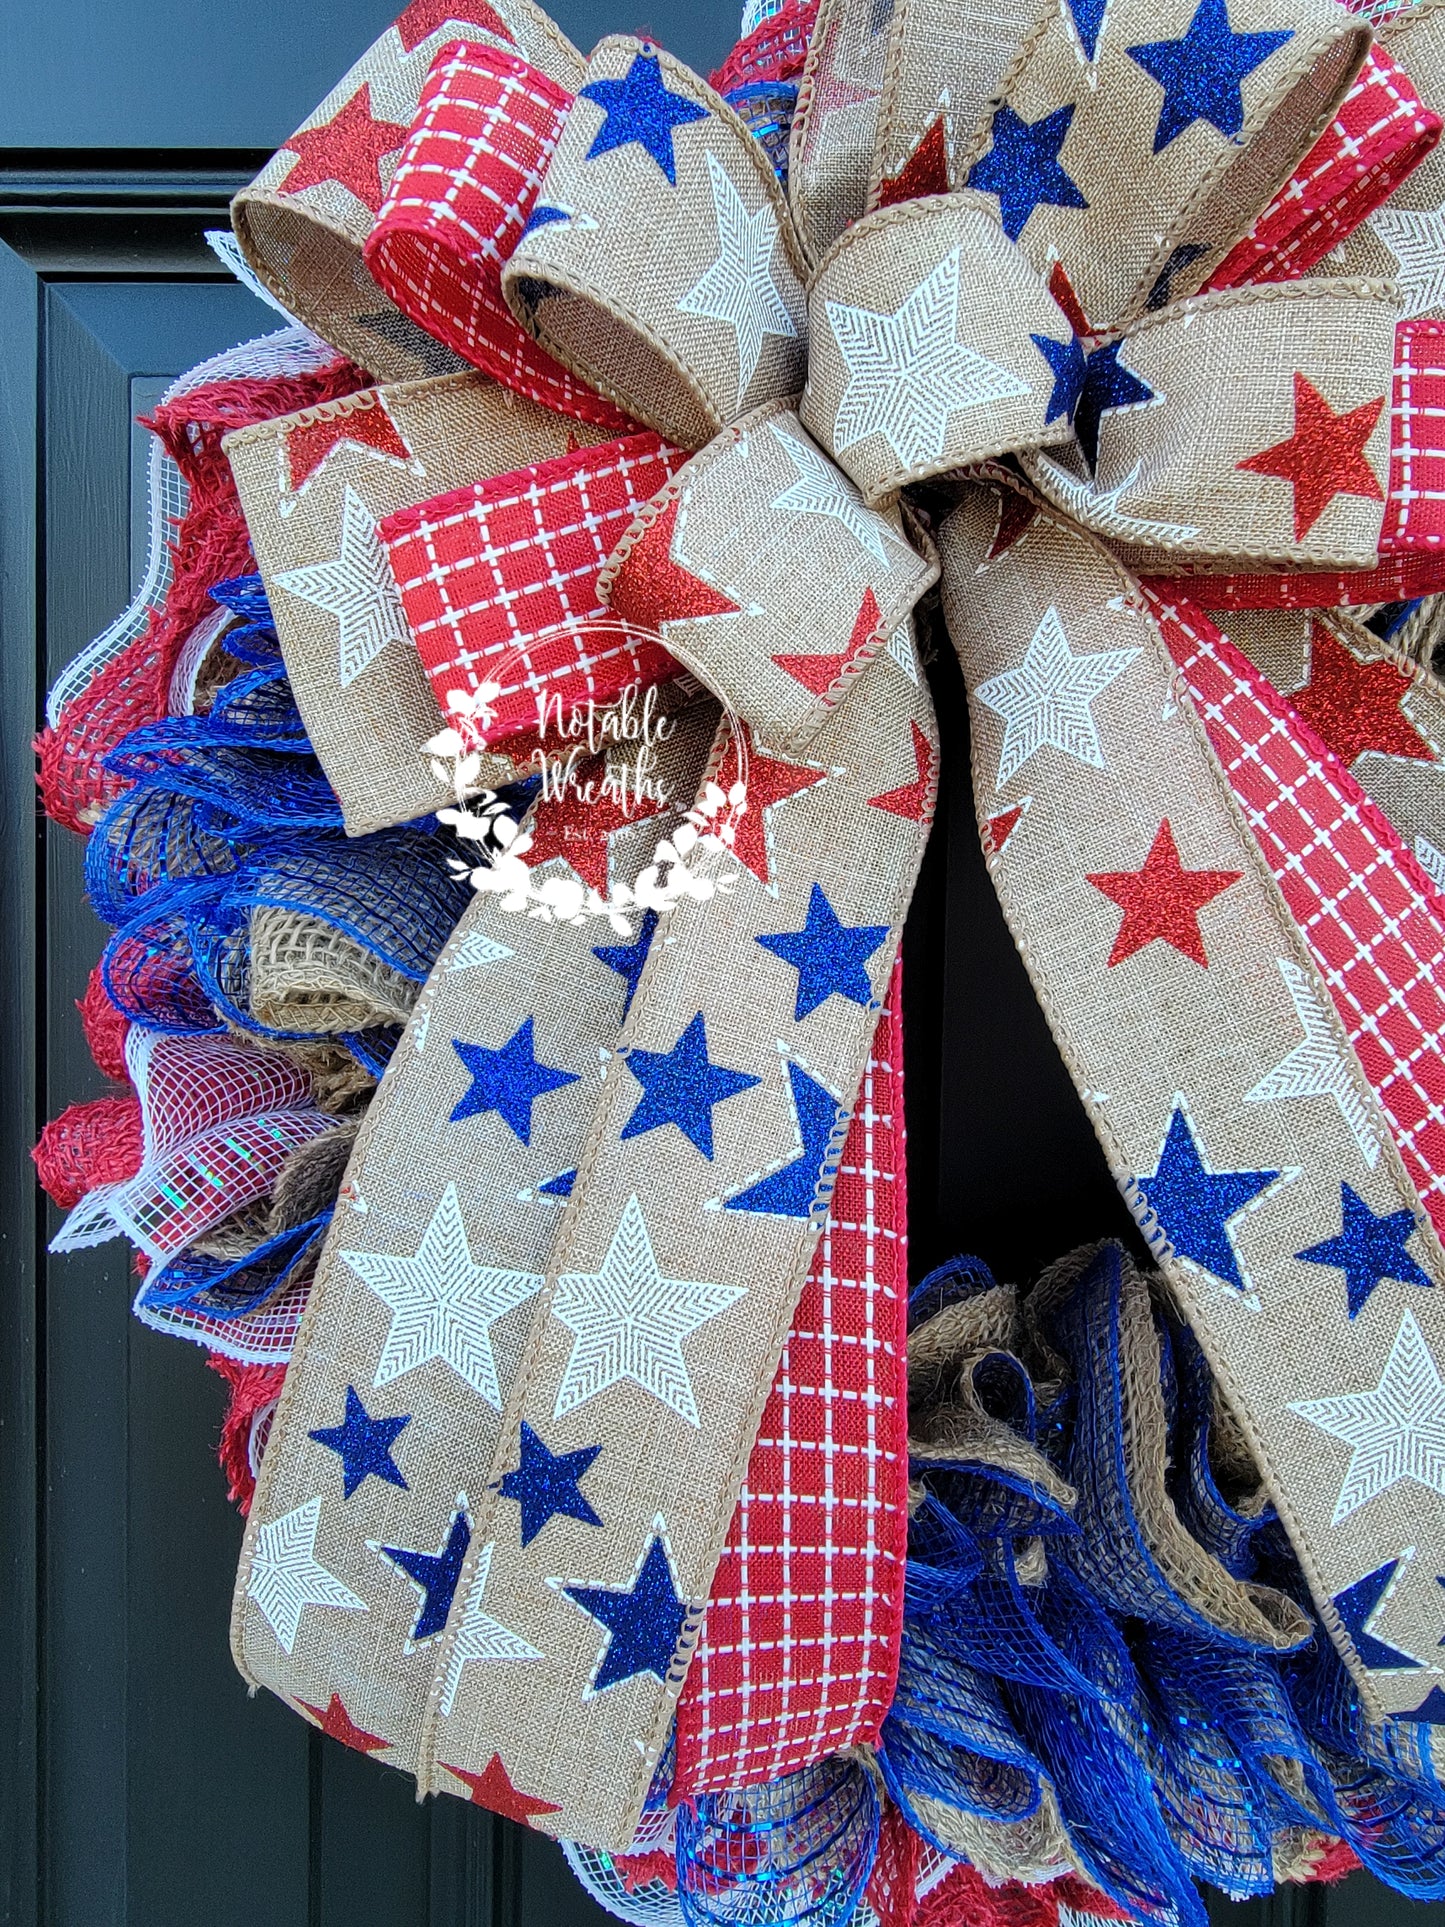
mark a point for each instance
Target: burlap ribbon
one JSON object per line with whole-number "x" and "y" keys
{"x": 471, "y": 1620}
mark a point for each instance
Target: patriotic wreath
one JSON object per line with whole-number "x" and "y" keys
{"x": 506, "y": 792}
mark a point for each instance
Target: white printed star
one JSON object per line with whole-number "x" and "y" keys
{"x": 900, "y": 647}
{"x": 479, "y": 1636}
{"x": 286, "y": 1576}
{"x": 628, "y": 1321}
{"x": 1397, "y": 1430}
{"x": 1431, "y": 860}
{"x": 822, "y": 489}
{"x": 1417, "y": 241}
{"x": 738, "y": 288}
{"x": 1317, "y": 1067}
{"x": 357, "y": 587}
{"x": 476, "y": 949}
{"x": 908, "y": 371}
{"x": 1046, "y": 700}
{"x": 443, "y": 1305}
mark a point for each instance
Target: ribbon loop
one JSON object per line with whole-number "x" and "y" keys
{"x": 838, "y": 572}
{"x": 1248, "y": 425}
{"x": 661, "y": 263}
{"x": 461, "y": 197}
{"x": 315, "y": 487}
{"x": 1218, "y": 102}
{"x": 303, "y": 222}
{"x": 927, "y": 332}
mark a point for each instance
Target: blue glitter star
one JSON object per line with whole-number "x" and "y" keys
{"x": 363, "y": 1444}
{"x": 1088, "y": 18}
{"x": 1431, "y": 1709}
{"x": 507, "y": 1081}
{"x": 434, "y": 1574}
{"x": 1200, "y": 73}
{"x": 828, "y": 956}
{"x": 1106, "y": 385}
{"x": 1070, "y": 366}
{"x": 542, "y": 216}
{"x": 545, "y": 1485}
{"x": 1022, "y": 167}
{"x": 1368, "y": 1249}
{"x": 680, "y": 1087}
{"x": 639, "y": 108}
{"x": 1194, "y": 1204}
{"x": 793, "y": 1191}
{"x": 644, "y": 1622}
{"x": 627, "y": 959}
{"x": 1356, "y": 1604}
{"x": 560, "y": 1186}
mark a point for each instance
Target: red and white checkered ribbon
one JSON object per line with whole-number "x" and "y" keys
{"x": 499, "y": 583}
{"x": 462, "y": 195}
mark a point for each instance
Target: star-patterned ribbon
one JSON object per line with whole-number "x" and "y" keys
{"x": 1043, "y": 273}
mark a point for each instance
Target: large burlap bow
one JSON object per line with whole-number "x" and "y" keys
{"x": 660, "y": 263}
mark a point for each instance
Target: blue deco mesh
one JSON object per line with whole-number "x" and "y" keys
{"x": 798, "y": 1849}
{"x": 1173, "y": 1749}
{"x": 230, "y": 812}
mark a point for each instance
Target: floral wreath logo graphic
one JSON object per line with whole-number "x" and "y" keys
{"x": 569, "y": 743}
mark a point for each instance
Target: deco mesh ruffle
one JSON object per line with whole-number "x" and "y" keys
{"x": 612, "y": 1204}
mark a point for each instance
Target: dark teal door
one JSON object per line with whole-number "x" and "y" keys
{"x": 139, "y": 1787}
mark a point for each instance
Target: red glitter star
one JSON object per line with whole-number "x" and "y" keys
{"x": 423, "y": 17}
{"x": 1062, "y": 289}
{"x": 651, "y": 589}
{"x": 1161, "y": 902}
{"x": 580, "y": 832}
{"x": 924, "y": 172}
{"x": 770, "y": 781}
{"x": 1324, "y": 457}
{"x": 309, "y": 443}
{"x": 1355, "y": 705}
{"x": 338, "y": 1723}
{"x": 998, "y": 829}
{"x": 911, "y": 799}
{"x": 493, "y": 1789}
{"x": 1016, "y": 514}
{"x": 348, "y": 148}
{"x": 819, "y": 673}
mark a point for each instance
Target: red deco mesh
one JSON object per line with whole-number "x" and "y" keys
{"x": 774, "y": 50}
{"x": 254, "y": 1392}
{"x": 87, "y": 1145}
{"x": 105, "y": 1028}
{"x": 460, "y": 200}
{"x": 799, "y": 1650}
{"x": 499, "y": 582}
{"x": 211, "y": 544}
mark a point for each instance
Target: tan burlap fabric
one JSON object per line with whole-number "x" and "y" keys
{"x": 1171, "y": 493}
{"x": 307, "y": 975}
{"x": 830, "y": 148}
{"x": 835, "y": 569}
{"x": 927, "y": 303}
{"x": 1158, "y": 1039}
{"x": 304, "y": 219}
{"x": 423, "y": 1304}
{"x": 684, "y": 305}
{"x": 313, "y": 516}
{"x": 1407, "y": 783}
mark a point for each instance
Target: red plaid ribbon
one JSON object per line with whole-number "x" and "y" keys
{"x": 799, "y": 1650}
{"x": 499, "y": 581}
{"x": 1373, "y": 921}
{"x": 462, "y": 196}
